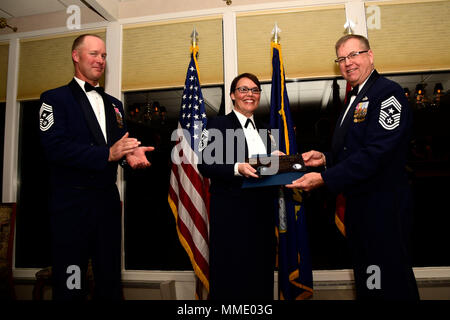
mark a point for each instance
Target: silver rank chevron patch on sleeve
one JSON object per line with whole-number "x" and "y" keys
{"x": 45, "y": 117}
{"x": 204, "y": 140}
{"x": 390, "y": 113}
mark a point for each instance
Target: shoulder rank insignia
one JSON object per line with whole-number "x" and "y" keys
{"x": 360, "y": 112}
{"x": 46, "y": 119}
{"x": 390, "y": 113}
{"x": 119, "y": 117}
{"x": 203, "y": 140}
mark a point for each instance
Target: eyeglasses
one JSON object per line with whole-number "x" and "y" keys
{"x": 351, "y": 56}
{"x": 245, "y": 90}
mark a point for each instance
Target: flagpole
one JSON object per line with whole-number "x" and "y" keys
{"x": 194, "y": 49}
{"x": 339, "y": 216}
{"x": 294, "y": 268}
{"x": 194, "y": 36}
{"x": 276, "y": 44}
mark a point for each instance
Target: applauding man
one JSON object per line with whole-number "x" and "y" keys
{"x": 84, "y": 137}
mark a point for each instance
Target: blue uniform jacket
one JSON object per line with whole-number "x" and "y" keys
{"x": 369, "y": 150}
{"x": 73, "y": 141}
{"x": 367, "y": 164}
{"x": 241, "y": 243}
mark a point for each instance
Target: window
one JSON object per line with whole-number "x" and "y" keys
{"x": 33, "y": 218}
{"x": 151, "y": 240}
{"x": 428, "y": 165}
{"x": 2, "y": 142}
{"x": 398, "y": 30}
{"x": 155, "y": 55}
{"x": 307, "y": 37}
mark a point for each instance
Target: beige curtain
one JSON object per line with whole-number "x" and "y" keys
{"x": 157, "y": 55}
{"x": 46, "y": 63}
{"x": 412, "y": 35}
{"x": 307, "y": 39}
{"x": 4, "y": 53}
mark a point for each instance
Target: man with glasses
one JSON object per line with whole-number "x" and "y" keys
{"x": 366, "y": 168}
{"x": 242, "y": 237}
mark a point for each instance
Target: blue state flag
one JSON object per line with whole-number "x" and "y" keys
{"x": 294, "y": 264}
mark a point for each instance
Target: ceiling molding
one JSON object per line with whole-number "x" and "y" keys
{"x": 108, "y": 9}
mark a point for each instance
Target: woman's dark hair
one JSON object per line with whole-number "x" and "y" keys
{"x": 244, "y": 75}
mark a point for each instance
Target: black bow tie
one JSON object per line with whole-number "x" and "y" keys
{"x": 248, "y": 122}
{"x": 353, "y": 92}
{"x": 88, "y": 87}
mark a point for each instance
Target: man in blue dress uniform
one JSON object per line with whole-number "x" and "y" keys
{"x": 84, "y": 137}
{"x": 367, "y": 165}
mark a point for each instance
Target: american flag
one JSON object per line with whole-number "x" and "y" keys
{"x": 189, "y": 191}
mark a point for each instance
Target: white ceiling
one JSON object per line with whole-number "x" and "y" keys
{"x": 23, "y": 8}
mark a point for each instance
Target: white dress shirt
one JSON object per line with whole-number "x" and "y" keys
{"x": 254, "y": 142}
{"x": 96, "y": 101}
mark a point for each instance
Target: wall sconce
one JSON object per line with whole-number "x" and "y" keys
{"x": 4, "y": 24}
{"x": 155, "y": 106}
{"x": 437, "y": 94}
{"x": 419, "y": 95}
{"x": 407, "y": 93}
{"x": 438, "y": 88}
{"x": 419, "y": 89}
